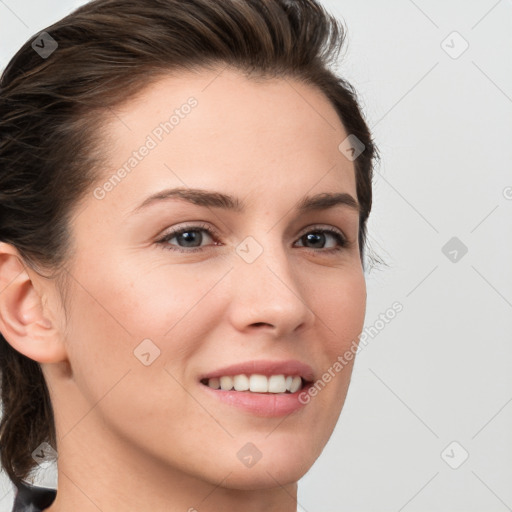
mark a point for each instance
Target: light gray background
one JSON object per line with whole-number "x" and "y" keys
{"x": 440, "y": 371}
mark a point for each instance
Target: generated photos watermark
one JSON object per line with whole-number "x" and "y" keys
{"x": 153, "y": 139}
{"x": 343, "y": 360}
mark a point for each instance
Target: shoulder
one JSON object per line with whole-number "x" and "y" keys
{"x": 32, "y": 498}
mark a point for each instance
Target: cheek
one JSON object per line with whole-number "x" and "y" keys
{"x": 161, "y": 299}
{"x": 144, "y": 303}
{"x": 109, "y": 318}
{"x": 341, "y": 308}
{"x": 115, "y": 310}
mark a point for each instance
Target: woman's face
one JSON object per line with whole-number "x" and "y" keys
{"x": 151, "y": 314}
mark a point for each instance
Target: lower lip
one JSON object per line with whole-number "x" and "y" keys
{"x": 260, "y": 404}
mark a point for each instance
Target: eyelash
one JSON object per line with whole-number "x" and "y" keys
{"x": 342, "y": 241}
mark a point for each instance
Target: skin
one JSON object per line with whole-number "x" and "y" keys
{"x": 136, "y": 437}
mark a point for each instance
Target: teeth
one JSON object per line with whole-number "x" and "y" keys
{"x": 226, "y": 383}
{"x": 257, "y": 383}
{"x": 277, "y": 384}
{"x": 241, "y": 382}
{"x": 295, "y": 385}
{"x": 214, "y": 383}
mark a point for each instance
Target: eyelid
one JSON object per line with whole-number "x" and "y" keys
{"x": 198, "y": 225}
{"x": 326, "y": 227}
{"x": 215, "y": 232}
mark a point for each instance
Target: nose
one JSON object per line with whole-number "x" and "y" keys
{"x": 270, "y": 294}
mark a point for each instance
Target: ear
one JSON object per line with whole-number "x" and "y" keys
{"x": 23, "y": 320}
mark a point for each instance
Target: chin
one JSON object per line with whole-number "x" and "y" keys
{"x": 276, "y": 467}
{"x": 266, "y": 476}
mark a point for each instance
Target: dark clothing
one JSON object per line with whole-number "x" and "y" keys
{"x": 32, "y": 498}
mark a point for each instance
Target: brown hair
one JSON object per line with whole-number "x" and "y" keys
{"x": 50, "y": 120}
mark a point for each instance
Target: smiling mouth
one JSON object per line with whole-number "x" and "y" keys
{"x": 257, "y": 383}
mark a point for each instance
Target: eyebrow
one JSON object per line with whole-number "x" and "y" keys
{"x": 212, "y": 199}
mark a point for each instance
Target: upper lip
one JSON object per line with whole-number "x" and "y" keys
{"x": 264, "y": 367}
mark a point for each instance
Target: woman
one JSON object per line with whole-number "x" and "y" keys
{"x": 185, "y": 187}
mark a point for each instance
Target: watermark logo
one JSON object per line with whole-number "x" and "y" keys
{"x": 455, "y": 455}
{"x": 454, "y": 249}
{"x": 454, "y": 45}
{"x": 44, "y": 45}
{"x": 146, "y": 352}
{"x": 249, "y": 249}
{"x": 351, "y": 147}
{"x": 249, "y": 455}
{"x": 44, "y": 455}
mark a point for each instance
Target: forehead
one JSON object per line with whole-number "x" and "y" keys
{"x": 202, "y": 129}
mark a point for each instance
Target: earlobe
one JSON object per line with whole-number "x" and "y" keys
{"x": 22, "y": 320}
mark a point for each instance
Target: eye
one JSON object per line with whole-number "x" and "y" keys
{"x": 319, "y": 235}
{"x": 188, "y": 235}
{"x": 191, "y": 238}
